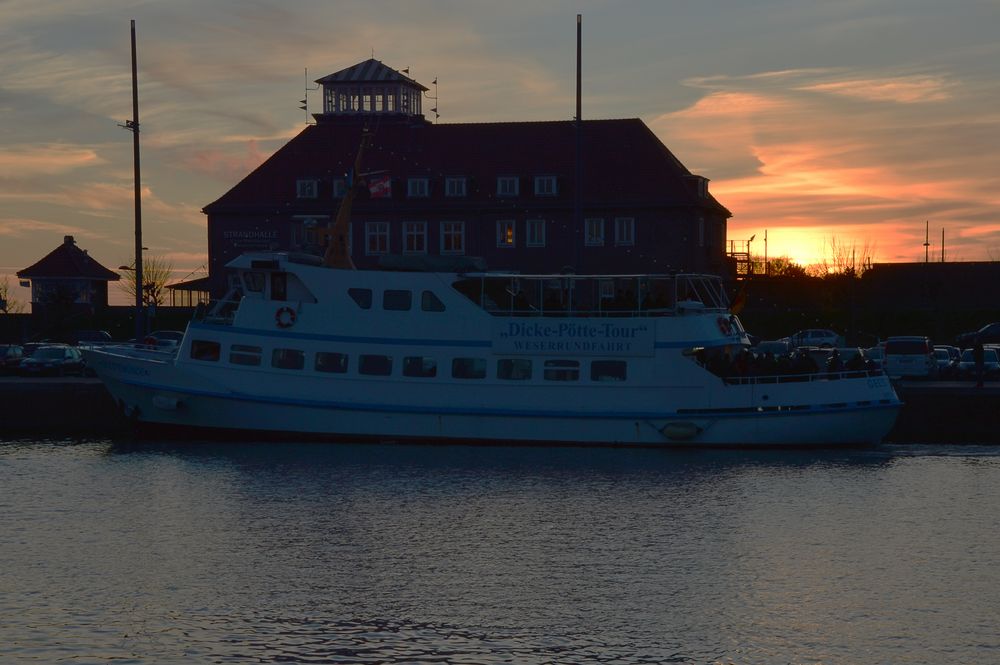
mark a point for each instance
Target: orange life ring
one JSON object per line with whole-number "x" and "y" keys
{"x": 285, "y": 317}
{"x": 725, "y": 327}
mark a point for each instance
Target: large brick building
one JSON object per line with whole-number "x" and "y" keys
{"x": 506, "y": 192}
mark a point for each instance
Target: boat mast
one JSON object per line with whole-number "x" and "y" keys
{"x": 133, "y": 125}
{"x": 337, "y": 253}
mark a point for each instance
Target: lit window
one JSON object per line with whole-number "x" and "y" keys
{"x": 535, "y": 233}
{"x": 454, "y": 186}
{"x": 594, "y": 228}
{"x": 545, "y": 185}
{"x": 376, "y": 238}
{"x": 505, "y": 233}
{"x": 415, "y": 237}
{"x": 507, "y": 186}
{"x": 417, "y": 188}
{"x": 453, "y": 237}
{"x": 307, "y": 189}
{"x": 624, "y": 231}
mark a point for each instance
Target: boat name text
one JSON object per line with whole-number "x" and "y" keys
{"x": 574, "y": 337}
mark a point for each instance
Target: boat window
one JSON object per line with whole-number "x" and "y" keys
{"x": 396, "y": 300}
{"x": 205, "y": 350}
{"x": 468, "y": 368}
{"x": 363, "y": 297}
{"x": 607, "y": 370}
{"x": 279, "y": 286}
{"x": 241, "y": 354}
{"x": 430, "y": 302}
{"x": 254, "y": 281}
{"x": 514, "y": 369}
{"x": 288, "y": 359}
{"x": 420, "y": 366}
{"x": 331, "y": 362}
{"x": 562, "y": 370}
{"x": 375, "y": 365}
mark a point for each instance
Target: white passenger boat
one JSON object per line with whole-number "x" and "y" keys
{"x": 303, "y": 349}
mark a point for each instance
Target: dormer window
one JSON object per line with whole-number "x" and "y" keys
{"x": 454, "y": 187}
{"x": 307, "y": 189}
{"x": 507, "y": 185}
{"x": 545, "y": 185}
{"x": 417, "y": 188}
{"x": 339, "y": 188}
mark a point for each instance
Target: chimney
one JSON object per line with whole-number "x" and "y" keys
{"x": 68, "y": 240}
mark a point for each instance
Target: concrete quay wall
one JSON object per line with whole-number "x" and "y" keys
{"x": 933, "y": 411}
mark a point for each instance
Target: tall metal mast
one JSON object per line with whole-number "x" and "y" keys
{"x": 133, "y": 126}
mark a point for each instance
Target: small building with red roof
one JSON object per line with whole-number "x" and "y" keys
{"x": 68, "y": 278}
{"x": 600, "y": 196}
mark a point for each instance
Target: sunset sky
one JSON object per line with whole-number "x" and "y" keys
{"x": 855, "y": 121}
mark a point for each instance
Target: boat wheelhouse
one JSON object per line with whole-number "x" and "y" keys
{"x": 439, "y": 355}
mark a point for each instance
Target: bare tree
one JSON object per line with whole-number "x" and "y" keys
{"x": 8, "y": 303}
{"x": 840, "y": 258}
{"x": 156, "y": 272}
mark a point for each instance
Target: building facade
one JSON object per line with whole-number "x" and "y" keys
{"x": 601, "y": 196}
{"x": 68, "y": 280}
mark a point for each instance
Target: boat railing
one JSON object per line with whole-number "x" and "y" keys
{"x": 743, "y": 380}
{"x": 593, "y": 295}
{"x": 140, "y": 350}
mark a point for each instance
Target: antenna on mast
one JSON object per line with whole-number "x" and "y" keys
{"x": 927, "y": 241}
{"x": 434, "y": 110}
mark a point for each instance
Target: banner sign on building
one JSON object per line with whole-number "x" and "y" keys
{"x": 576, "y": 338}
{"x": 380, "y": 187}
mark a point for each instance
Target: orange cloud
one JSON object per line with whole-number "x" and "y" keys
{"x": 23, "y": 161}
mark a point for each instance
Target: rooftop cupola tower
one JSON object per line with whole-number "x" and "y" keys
{"x": 370, "y": 88}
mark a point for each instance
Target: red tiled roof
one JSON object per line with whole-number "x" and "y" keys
{"x": 68, "y": 261}
{"x": 623, "y": 161}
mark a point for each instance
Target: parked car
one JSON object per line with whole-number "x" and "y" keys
{"x": 947, "y": 358}
{"x": 909, "y": 356}
{"x": 10, "y": 357}
{"x": 988, "y": 334}
{"x": 991, "y": 364}
{"x": 90, "y": 337}
{"x": 776, "y": 347}
{"x": 820, "y": 337}
{"x": 54, "y": 360}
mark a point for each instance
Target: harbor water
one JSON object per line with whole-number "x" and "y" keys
{"x": 314, "y": 553}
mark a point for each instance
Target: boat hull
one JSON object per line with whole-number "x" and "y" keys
{"x": 157, "y": 396}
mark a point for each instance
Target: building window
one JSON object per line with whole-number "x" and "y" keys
{"x": 419, "y": 366}
{"x": 288, "y": 359}
{"x": 594, "y": 228}
{"x": 397, "y": 300}
{"x": 534, "y": 233}
{"x": 624, "y": 231}
{"x": 417, "y": 188}
{"x": 307, "y": 189}
{"x": 453, "y": 237}
{"x": 468, "y": 368}
{"x": 507, "y": 186}
{"x": 545, "y": 185}
{"x": 331, "y": 362}
{"x": 454, "y": 186}
{"x": 376, "y": 238}
{"x": 241, "y": 354}
{"x": 339, "y": 188}
{"x": 375, "y": 365}
{"x": 505, "y": 233}
{"x": 514, "y": 369}
{"x": 414, "y": 237}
